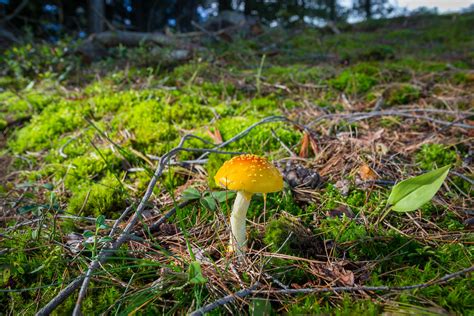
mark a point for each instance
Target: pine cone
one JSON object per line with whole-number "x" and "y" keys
{"x": 298, "y": 176}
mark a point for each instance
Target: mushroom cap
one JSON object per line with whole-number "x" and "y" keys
{"x": 249, "y": 173}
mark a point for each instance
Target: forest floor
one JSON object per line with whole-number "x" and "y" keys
{"x": 378, "y": 103}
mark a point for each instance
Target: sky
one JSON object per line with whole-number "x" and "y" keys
{"x": 443, "y": 5}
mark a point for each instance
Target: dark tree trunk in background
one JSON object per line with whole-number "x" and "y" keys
{"x": 96, "y": 16}
{"x": 140, "y": 16}
{"x": 185, "y": 13}
{"x": 249, "y": 6}
{"x": 225, "y": 5}
{"x": 332, "y": 10}
{"x": 368, "y": 9}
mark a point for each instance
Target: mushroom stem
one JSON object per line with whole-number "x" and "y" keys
{"x": 238, "y": 239}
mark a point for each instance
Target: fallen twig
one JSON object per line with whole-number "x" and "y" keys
{"x": 445, "y": 278}
{"x": 253, "y": 290}
{"x": 268, "y": 119}
{"x": 226, "y": 299}
{"x": 15, "y": 12}
{"x": 358, "y": 116}
{"x": 156, "y": 226}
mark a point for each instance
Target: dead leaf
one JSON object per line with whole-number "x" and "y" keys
{"x": 366, "y": 173}
{"x": 346, "y": 277}
{"x": 304, "y": 146}
{"x": 215, "y": 135}
{"x": 314, "y": 145}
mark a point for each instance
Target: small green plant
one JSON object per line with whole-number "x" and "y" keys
{"x": 195, "y": 274}
{"x": 99, "y": 226}
{"x": 412, "y": 193}
{"x": 208, "y": 199}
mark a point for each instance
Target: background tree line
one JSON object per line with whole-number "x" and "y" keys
{"x": 54, "y": 17}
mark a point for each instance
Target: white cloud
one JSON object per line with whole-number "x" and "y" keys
{"x": 442, "y": 5}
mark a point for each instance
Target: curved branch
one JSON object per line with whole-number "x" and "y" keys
{"x": 15, "y": 12}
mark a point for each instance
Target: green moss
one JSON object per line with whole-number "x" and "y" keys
{"x": 377, "y": 245}
{"x": 331, "y": 197}
{"x": 282, "y": 235}
{"x": 418, "y": 65}
{"x": 317, "y": 305}
{"x": 21, "y": 105}
{"x": 146, "y": 121}
{"x": 376, "y": 53}
{"x": 455, "y": 296}
{"x": 213, "y": 164}
{"x": 105, "y": 197}
{"x": 260, "y": 140}
{"x": 30, "y": 261}
{"x": 218, "y": 90}
{"x": 45, "y": 128}
{"x": 263, "y": 104}
{"x": 90, "y": 166}
{"x": 3, "y": 124}
{"x": 295, "y": 74}
{"x": 399, "y": 94}
{"x": 100, "y": 297}
{"x": 342, "y": 230}
{"x": 432, "y": 156}
{"x": 356, "y": 198}
{"x": 185, "y": 72}
{"x": 464, "y": 77}
{"x": 353, "y": 82}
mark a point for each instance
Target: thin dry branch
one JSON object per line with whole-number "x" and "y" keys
{"x": 226, "y": 299}
{"x": 253, "y": 290}
{"x": 268, "y": 119}
{"x": 358, "y": 116}
{"x": 15, "y": 12}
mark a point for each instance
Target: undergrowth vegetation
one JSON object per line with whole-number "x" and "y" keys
{"x": 80, "y": 143}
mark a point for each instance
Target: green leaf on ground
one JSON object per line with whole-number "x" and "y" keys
{"x": 191, "y": 194}
{"x": 195, "y": 274}
{"x": 222, "y": 196}
{"x": 412, "y": 193}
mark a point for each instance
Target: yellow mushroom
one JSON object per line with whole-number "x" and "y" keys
{"x": 246, "y": 174}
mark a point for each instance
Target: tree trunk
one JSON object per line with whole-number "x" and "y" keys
{"x": 225, "y": 5}
{"x": 96, "y": 16}
{"x": 332, "y": 10}
{"x": 368, "y": 9}
{"x": 185, "y": 13}
{"x": 249, "y": 6}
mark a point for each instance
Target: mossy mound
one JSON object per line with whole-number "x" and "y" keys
{"x": 400, "y": 94}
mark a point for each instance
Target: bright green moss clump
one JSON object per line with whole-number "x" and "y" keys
{"x": 432, "y": 156}
{"x": 105, "y": 197}
{"x": 90, "y": 166}
{"x": 260, "y": 140}
{"x": 398, "y": 94}
{"x": 356, "y": 80}
{"x": 45, "y": 128}
{"x": 289, "y": 236}
{"x": 3, "y": 124}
